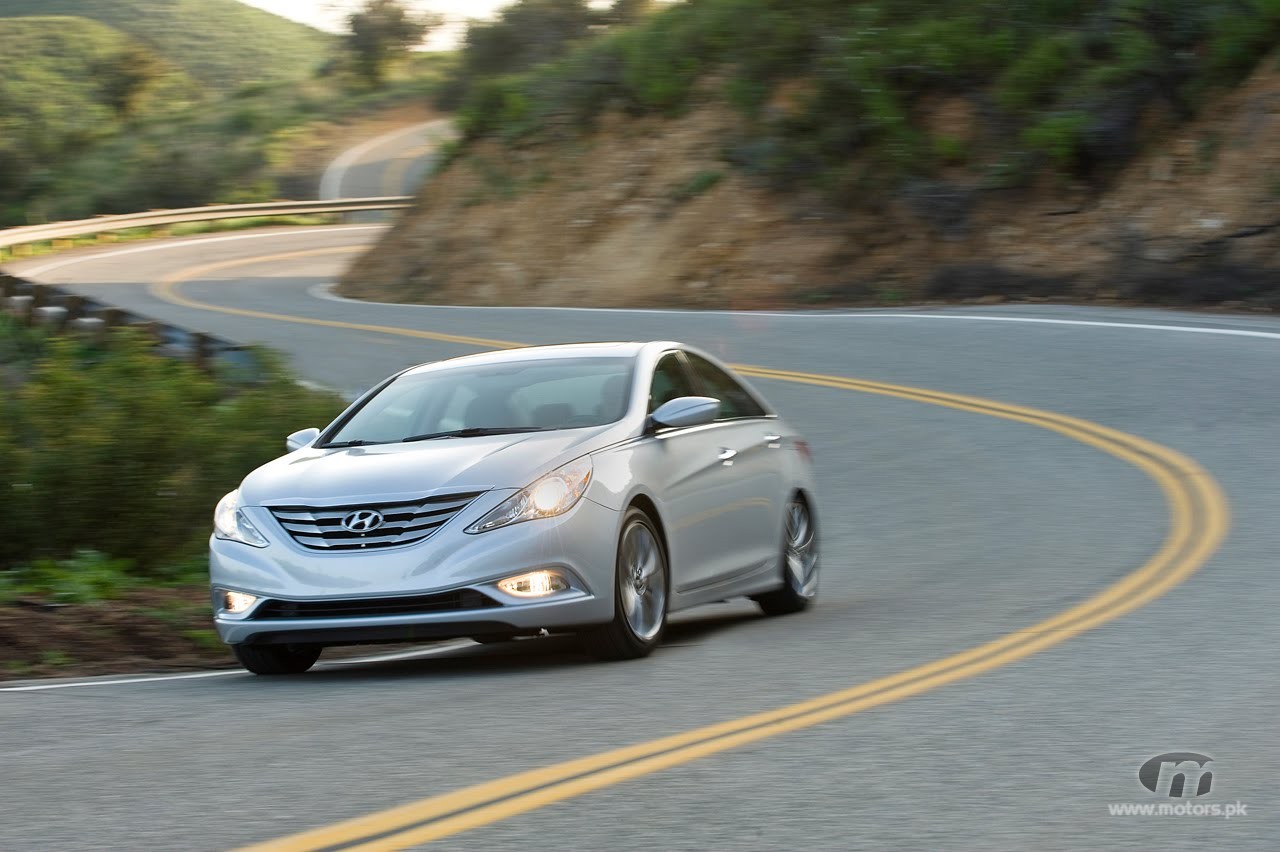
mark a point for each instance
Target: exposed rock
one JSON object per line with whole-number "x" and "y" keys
{"x": 592, "y": 221}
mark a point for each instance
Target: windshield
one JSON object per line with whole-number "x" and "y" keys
{"x": 518, "y": 396}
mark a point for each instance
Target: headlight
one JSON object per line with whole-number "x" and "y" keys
{"x": 553, "y": 494}
{"x": 230, "y": 523}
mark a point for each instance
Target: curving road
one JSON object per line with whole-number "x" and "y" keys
{"x": 394, "y": 163}
{"x": 949, "y": 525}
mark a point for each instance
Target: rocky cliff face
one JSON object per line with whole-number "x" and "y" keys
{"x": 645, "y": 212}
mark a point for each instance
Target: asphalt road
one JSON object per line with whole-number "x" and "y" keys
{"x": 943, "y": 529}
{"x": 392, "y": 164}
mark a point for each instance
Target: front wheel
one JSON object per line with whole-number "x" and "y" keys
{"x": 799, "y": 563}
{"x": 277, "y": 659}
{"x": 639, "y": 595}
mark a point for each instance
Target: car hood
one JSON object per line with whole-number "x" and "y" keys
{"x": 387, "y": 471}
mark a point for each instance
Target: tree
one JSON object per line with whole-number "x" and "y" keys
{"x": 382, "y": 31}
{"x": 124, "y": 78}
{"x": 525, "y": 34}
{"x": 626, "y": 11}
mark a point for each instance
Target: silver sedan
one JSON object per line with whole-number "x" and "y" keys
{"x": 588, "y": 488}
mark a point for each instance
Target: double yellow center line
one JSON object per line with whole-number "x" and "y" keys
{"x": 1198, "y": 522}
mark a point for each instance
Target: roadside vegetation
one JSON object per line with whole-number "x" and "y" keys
{"x": 85, "y": 466}
{"x": 101, "y": 114}
{"x": 223, "y": 44}
{"x": 258, "y": 144}
{"x": 837, "y": 95}
{"x": 107, "y": 494}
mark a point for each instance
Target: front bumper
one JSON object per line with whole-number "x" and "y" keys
{"x": 580, "y": 545}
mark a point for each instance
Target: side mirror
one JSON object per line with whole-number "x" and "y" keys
{"x": 686, "y": 411}
{"x": 303, "y": 438}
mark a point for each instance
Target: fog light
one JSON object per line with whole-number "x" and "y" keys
{"x": 237, "y": 602}
{"x": 535, "y": 584}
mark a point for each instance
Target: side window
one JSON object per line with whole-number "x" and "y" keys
{"x": 735, "y": 402}
{"x": 670, "y": 381}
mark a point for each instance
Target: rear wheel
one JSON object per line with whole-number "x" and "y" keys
{"x": 639, "y": 596}
{"x": 799, "y": 563}
{"x": 277, "y": 659}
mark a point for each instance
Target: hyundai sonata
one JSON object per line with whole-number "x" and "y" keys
{"x": 588, "y": 488}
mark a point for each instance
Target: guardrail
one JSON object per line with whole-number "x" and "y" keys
{"x": 57, "y": 311}
{"x": 158, "y": 218}
{"x": 60, "y": 311}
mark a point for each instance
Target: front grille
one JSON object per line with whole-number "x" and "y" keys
{"x": 402, "y": 523}
{"x": 440, "y": 602}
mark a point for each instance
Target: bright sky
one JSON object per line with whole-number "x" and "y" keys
{"x": 331, "y": 14}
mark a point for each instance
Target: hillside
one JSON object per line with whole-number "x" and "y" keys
{"x": 96, "y": 121}
{"x": 222, "y": 43}
{"x": 66, "y": 84}
{"x": 762, "y": 152}
{"x": 58, "y": 72}
{"x": 645, "y": 215}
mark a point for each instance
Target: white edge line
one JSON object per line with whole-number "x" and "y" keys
{"x": 381, "y": 658}
{"x": 159, "y": 246}
{"x": 325, "y": 291}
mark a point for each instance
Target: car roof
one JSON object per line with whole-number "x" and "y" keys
{"x": 618, "y": 349}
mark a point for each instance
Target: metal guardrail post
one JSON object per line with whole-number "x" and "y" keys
{"x": 37, "y": 302}
{"x": 92, "y": 328}
{"x": 52, "y": 318}
{"x": 20, "y": 307}
{"x": 74, "y": 305}
{"x": 200, "y": 347}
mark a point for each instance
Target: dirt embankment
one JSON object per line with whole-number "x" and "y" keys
{"x": 645, "y": 213}
{"x": 160, "y": 628}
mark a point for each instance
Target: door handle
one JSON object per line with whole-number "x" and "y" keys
{"x": 774, "y": 441}
{"x": 727, "y": 455}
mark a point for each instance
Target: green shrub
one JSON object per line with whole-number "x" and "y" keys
{"x": 1033, "y": 78}
{"x": 85, "y": 577}
{"x": 702, "y": 182}
{"x": 949, "y": 150}
{"x": 118, "y": 451}
{"x": 1068, "y": 81}
{"x": 1059, "y": 137}
{"x": 1236, "y": 40}
{"x": 19, "y": 345}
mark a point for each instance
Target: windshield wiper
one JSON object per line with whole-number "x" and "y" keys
{"x": 356, "y": 443}
{"x": 474, "y": 433}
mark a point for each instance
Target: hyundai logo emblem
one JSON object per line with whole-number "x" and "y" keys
{"x": 363, "y": 521}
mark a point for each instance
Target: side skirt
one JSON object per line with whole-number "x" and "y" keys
{"x": 764, "y": 577}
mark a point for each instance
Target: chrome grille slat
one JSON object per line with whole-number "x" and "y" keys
{"x": 320, "y": 527}
{"x": 341, "y": 531}
{"x": 336, "y": 514}
{"x": 382, "y": 534}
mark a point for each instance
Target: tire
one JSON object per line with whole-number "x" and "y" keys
{"x": 799, "y": 563}
{"x": 640, "y": 593}
{"x": 277, "y": 659}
